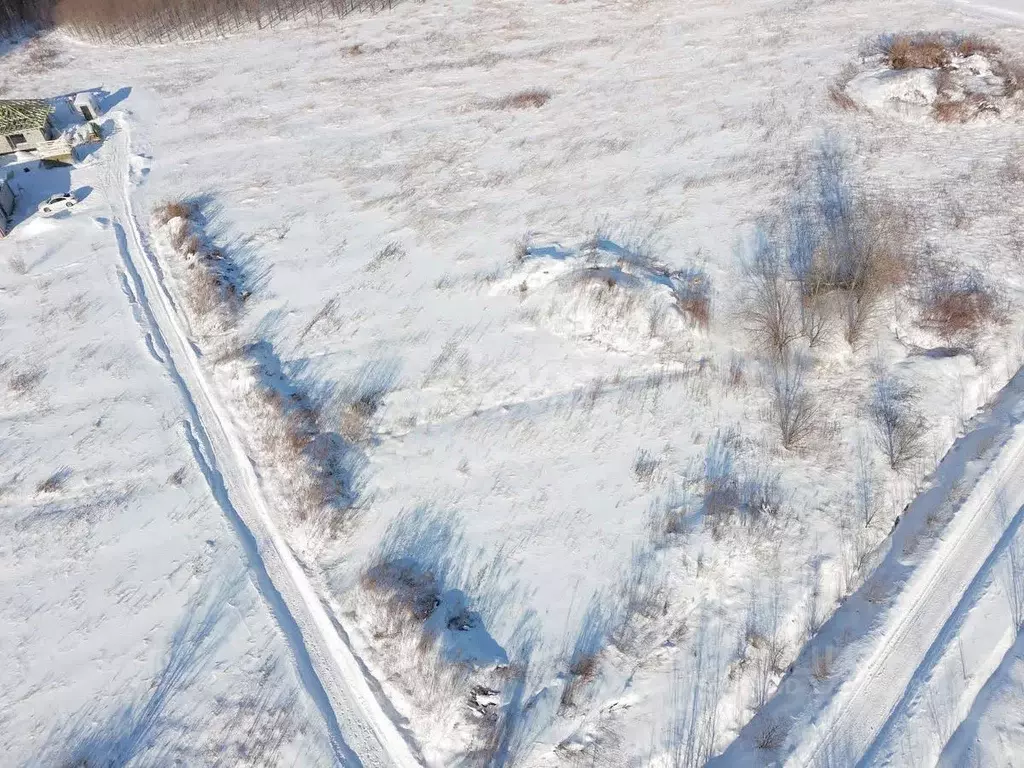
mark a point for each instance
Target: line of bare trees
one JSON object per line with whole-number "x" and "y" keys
{"x": 16, "y": 14}
{"x": 147, "y": 21}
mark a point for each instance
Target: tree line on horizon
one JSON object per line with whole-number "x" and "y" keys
{"x": 147, "y": 21}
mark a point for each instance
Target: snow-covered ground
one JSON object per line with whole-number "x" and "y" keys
{"x": 132, "y": 629}
{"x": 500, "y": 220}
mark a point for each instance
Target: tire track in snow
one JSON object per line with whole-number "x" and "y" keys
{"x": 201, "y": 450}
{"x": 361, "y": 732}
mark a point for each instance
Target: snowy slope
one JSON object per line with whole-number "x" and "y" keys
{"x": 509, "y": 280}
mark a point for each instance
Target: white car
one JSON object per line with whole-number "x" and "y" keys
{"x": 57, "y": 203}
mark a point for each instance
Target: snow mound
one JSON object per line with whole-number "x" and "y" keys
{"x": 960, "y": 89}
{"x": 610, "y": 295}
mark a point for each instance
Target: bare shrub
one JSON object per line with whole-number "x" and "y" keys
{"x": 794, "y": 409}
{"x": 855, "y": 248}
{"x": 831, "y": 258}
{"x": 917, "y": 51}
{"x": 771, "y": 308}
{"x": 817, "y": 316}
{"x": 898, "y": 425}
{"x": 772, "y": 734}
{"x": 54, "y": 482}
{"x": 865, "y": 493}
{"x": 731, "y": 492}
{"x": 532, "y": 98}
{"x": 520, "y": 250}
{"x": 957, "y": 303}
{"x": 737, "y": 371}
{"x": 821, "y": 665}
{"x": 641, "y": 600}
{"x": 582, "y": 670}
{"x": 697, "y": 682}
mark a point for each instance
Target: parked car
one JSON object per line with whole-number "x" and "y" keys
{"x": 57, "y": 203}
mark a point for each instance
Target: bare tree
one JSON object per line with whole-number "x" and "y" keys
{"x": 772, "y": 310}
{"x": 898, "y": 425}
{"x": 865, "y": 491}
{"x": 794, "y": 409}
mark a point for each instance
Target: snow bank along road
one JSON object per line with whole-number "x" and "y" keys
{"x": 362, "y": 732}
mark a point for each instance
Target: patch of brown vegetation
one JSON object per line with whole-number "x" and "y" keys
{"x": 173, "y": 209}
{"x": 958, "y": 304}
{"x": 533, "y": 98}
{"x": 920, "y": 51}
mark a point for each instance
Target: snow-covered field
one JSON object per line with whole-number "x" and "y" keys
{"x": 133, "y": 630}
{"x": 498, "y": 248}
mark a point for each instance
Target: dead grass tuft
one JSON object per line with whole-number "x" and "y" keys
{"x": 17, "y": 265}
{"x": 533, "y": 98}
{"x": 54, "y": 482}
{"x": 25, "y": 381}
{"x": 178, "y": 209}
{"x": 970, "y": 45}
{"x": 918, "y": 51}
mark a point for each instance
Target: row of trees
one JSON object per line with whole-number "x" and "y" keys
{"x": 16, "y": 14}
{"x": 146, "y": 21}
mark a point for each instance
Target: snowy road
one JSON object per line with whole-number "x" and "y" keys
{"x": 939, "y": 594}
{"x": 362, "y": 732}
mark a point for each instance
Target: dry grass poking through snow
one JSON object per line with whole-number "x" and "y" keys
{"x": 311, "y": 467}
{"x": 532, "y": 98}
{"x": 422, "y": 599}
{"x": 951, "y": 77}
{"x": 211, "y": 284}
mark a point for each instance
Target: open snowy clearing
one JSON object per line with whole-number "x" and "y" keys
{"x": 501, "y": 246}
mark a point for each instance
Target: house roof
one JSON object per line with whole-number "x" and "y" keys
{"x": 21, "y": 115}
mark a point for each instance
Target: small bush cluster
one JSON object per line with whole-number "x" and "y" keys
{"x": 827, "y": 264}
{"x": 957, "y": 100}
{"x": 212, "y": 283}
{"x": 957, "y": 303}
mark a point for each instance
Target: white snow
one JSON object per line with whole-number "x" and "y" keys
{"x": 515, "y": 287}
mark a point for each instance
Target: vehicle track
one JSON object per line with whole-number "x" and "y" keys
{"x": 361, "y": 731}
